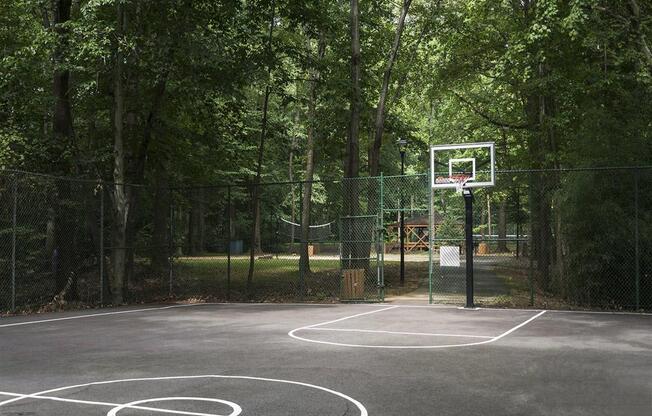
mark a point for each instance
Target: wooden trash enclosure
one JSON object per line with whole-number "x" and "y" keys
{"x": 353, "y": 284}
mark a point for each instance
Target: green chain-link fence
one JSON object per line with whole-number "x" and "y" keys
{"x": 556, "y": 239}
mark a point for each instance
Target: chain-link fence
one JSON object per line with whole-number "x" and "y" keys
{"x": 49, "y": 241}
{"x": 555, "y": 239}
{"x": 226, "y": 247}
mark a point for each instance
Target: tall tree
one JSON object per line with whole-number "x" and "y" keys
{"x": 352, "y": 161}
{"x": 62, "y": 125}
{"x": 120, "y": 198}
{"x": 255, "y": 230}
{"x": 639, "y": 30}
{"x": 311, "y": 132}
{"x": 374, "y": 153}
{"x": 63, "y": 131}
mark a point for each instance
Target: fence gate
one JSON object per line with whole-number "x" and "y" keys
{"x": 361, "y": 259}
{"x": 362, "y": 240}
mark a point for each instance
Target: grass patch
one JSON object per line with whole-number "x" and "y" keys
{"x": 274, "y": 279}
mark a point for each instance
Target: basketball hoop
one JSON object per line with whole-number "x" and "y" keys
{"x": 463, "y": 165}
{"x": 458, "y": 181}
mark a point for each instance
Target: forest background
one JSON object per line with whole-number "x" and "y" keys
{"x": 165, "y": 93}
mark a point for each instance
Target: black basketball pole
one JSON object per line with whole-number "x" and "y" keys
{"x": 468, "y": 229}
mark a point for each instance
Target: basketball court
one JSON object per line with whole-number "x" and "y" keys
{"x": 399, "y": 358}
{"x": 289, "y": 359}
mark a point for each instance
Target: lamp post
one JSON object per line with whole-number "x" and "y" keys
{"x": 402, "y": 144}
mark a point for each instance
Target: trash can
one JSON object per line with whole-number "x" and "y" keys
{"x": 353, "y": 284}
{"x": 235, "y": 247}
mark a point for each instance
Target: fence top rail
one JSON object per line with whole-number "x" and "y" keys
{"x": 244, "y": 184}
{"x": 578, "y": 169}
{"x": 98, "y": 181}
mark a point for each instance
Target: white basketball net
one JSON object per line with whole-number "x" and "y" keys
{"x": 458, "y": 180}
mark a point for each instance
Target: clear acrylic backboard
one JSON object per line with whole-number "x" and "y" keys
{"x": 465, "y": 165}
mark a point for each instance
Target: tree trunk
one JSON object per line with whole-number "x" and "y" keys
{"x": 196, "y": 225}
{"x": 363, "y": 250}
{"x": 161, "y": 210}
{"x": 255, "y": 232}
{"x": 483, "y": 218}
{"x": 293, "y": 208}
{"x": 62, "y": 121}
{"x": 539, "y": 108}
{"x": 640, "y": 33}
{"x": 258, "y": 242}
{"x": 136, "y": 167}
{"x": 120, "y": 198}
{"x": 352, "y": 159}
{"x": 133, "y": 194}
{"x": 66, "y": 251}
{"x": 62, "y": 224}
{"x": 50, "y": 233}
{"x": 502, "y": 226}
{"x": 490, "y": 230}
{"x": 374, "y": 154}
{"x": 306, "y": 204}
{"x": 559, "y": 254}
{"x": 542, "y": 238}
{"x": 137, "y": 173}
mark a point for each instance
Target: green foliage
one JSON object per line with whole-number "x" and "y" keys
{"x": 450, "y": 228}
{"x": 554, "y": 84}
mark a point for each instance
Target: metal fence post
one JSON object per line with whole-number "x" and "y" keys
{"x": 101, "y": 259}
{"x": 518, "y": 221}
{"x": 637, "y": 259}
{"x": 380, "y": 238}
{"x": 171, "y": 246}
{"x": 228, "y": 242}
{"x": 431, "y": 235}
{"x": 529, "y": 240}
{"x": 13, "y": 243}
{"x": 303, "y": 245}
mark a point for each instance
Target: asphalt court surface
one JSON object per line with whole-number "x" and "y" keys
{"x": 275, "y": 359}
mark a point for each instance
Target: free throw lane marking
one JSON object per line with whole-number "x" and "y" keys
{"x": 371, "y": 331}
{"x": 349, "y": 317}
{"x": 341, "y": 344}
{"x": 504, "y": 334}
{"x": 41, "y": 395}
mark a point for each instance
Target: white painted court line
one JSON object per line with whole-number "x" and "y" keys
{"x": 616, "y": 313}
{"x": 340, "y": 344}
{"x": 40, "y": 395}
{"x": 350, "y": 317}
{"x": 439, "y": 306}
{"x": 504, "y": 334}
{"x": 329, "y": 305}
{"x": 107, "y": 404}
{"x": 185, "y": 305}
{"x": 235, "y": 409}
{"x": 93, "y": 315}
{"x": 427, "y": 334}
{"x": 399, "y": 305}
